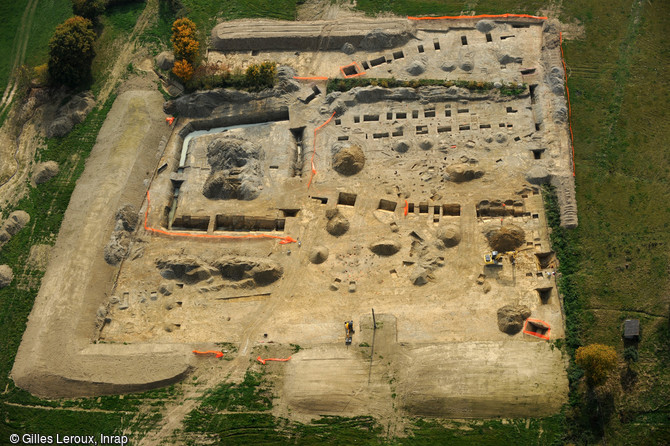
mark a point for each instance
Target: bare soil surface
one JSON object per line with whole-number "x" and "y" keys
{"x": 434, "y": 160}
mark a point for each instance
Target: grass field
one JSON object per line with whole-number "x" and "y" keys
{"x": 622, "y": 182}
{"x": 48, "y": 15}
{"x": 615, "y": 264}
{"x": 11, "y": 13}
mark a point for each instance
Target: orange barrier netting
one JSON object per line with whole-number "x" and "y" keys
{"x": 482, "y": 16}
{"x": 532, "y": 333}
{"x": 353, "y": 64}
{"x": 283, "y": 240}
{"x": 314, "y": 151}
{"x": 313, "y": 78}
{"x": 567, "y": 91}
{"x": 209, "y": 352}
{"x": 262, "y": 361}
{"x": 406, "y": 207}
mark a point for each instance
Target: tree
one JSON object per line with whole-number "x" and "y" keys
{"x": 183, "y": 70}
{"x": 597, "y": 360}
{"x": 184, "y": 40}
{"x": 262, "y": 75}
{"x": 71, "y": 52}
{"x": 89, "y": 9}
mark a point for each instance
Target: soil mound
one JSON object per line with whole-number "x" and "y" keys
{"x": 511, "y": 318}
{"x": 71, "y": 114}
{"x": 379, "y": 39}
{"x": 119, "y": 243}
{"x": 318, "y": 255}
{"x": 348, "y": 160}
{"x": 507, "y": 238}
{"x": 127, "y": 217}
{"x": 426, "y": 144}
{"x": 117, "y": 248}
{"x": 246, "y": 272}
{"x": 505, "y": 59}
{"x": 484, "y": 26}
{"x": 459, "y": 173}
{"x": 417, "y": 67}
{"x": 449, "y": 235}
{"x": 448, "y": 66}
{"x": 337, "y": 223}
{"x": 538, "y": 175}
{"x": 420, "y": 276}
{"x": 285, "y": 81}
{"x": 6, "y": 275}
{"x": 385, "y": 247}
{"x": 16, "y": 221}
{"x": 236, "y": 169}
{"x": 43, "y": 172}
{"x": 348, "y": 48}
{"x": 165, "y": 60}
{"x": 400, "y": 147}
{"x": 261, "y": 272}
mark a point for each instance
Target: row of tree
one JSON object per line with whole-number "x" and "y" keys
{"x": 186, "y": 48}
{"x": 188, "y": 68}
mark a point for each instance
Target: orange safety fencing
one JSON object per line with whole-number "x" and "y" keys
{"x": 359, "y": 70}
{"x": 262, "y": 361}
{"x": 313, "y": 78}
{"x": 538, "y": 323}
{"x": 282, "y": 240}
{"x": 209, "y": 352}
{"x": 314, "y": 151}
{"x": 482, "y": 16}
{"x": 406, "y": 208}
{"x": 567, "y": 91}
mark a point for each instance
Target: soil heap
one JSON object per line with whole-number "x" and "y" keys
{"x": 43, "y": 172}
{"x": 337, "y": 223}
{"x": 236, "y": 169}
{"x": 318, "y": 255}
{"x": 450, "y": 235}
{"x": 348, "y": 160}
{"x": 511, "y": 318}
{"x": 6, "y": 275}
{"x": 507, "y": 238}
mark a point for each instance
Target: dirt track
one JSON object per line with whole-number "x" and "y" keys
{"x": 55, "y": 353}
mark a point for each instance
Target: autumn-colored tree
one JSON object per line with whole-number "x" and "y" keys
{"x": 184, "y": 40}
{"x": 89, "y": 9}
{"x": 597, "y": 360}
{"x": 183, "y": 70}
{"x": 71, "y": 52}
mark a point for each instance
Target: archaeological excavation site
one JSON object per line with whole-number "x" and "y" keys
{"x": 271, "y": 218}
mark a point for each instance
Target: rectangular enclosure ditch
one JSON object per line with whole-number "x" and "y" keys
{"x": 248, "y": 223}
{"x": 196, "y": 223}
{"x": 447, "y": 209}
{"x": 498, "y": 208}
